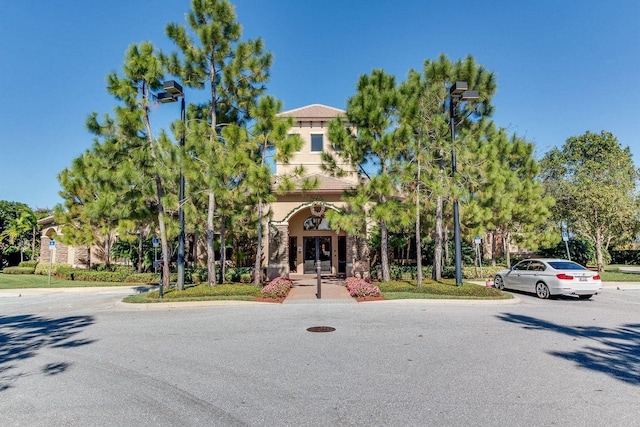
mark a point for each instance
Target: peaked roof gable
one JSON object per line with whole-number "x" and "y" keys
{"x": 313, "y": 112}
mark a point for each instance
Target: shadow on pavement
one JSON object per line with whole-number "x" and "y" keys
{"x": 21, "y": 337}
{"x": 616, "y": 352}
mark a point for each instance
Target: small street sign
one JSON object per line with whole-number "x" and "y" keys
{"x": 155, "y": 242}
{"x": 477, "y": 240}
{"x": 565, "y": 236}
{"x": 52, "y": 243}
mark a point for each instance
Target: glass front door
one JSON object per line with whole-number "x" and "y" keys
{"x": 310, "y": 254}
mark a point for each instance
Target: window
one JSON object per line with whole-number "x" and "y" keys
{"x": 316, "y": 143}
{"x": 536, "y": 266}
{"x": 521, "y": 265}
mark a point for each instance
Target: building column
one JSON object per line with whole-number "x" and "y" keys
{"x": 278, "y": 251}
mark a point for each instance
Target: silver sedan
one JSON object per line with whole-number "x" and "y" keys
{"x": 549, "y": 277}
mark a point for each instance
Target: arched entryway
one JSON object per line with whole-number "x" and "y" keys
{"x": 309, "y": 232}
{"x": 293, "y": 243}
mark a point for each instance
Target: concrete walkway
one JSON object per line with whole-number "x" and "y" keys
{"x": 305, "y": 289}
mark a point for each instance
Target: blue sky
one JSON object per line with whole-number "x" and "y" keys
{"x": 563, "y": 67}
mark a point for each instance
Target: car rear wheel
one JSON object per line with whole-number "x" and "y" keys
{"x": 542, "y": 290}
{"x": 585, "y": 296}
{"x": 498, "y": 283}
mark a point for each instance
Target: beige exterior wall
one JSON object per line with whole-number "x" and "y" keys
{"x": 60, "y": 253}
{"x": 289, "y": 235}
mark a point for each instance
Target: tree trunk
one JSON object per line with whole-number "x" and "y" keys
{"x": 257, "y": 267}
{"x": 140, "y": 258}
{"x": 166, "y": 271}
{"x": 437, "y": 250}
{"x": 493, "y": 249}
{"x": 33, "y": 243}
{"x": 223, "y": 250}
{"x": 384, "y": 251}
{"x": 211, "y": 255}
{"x": 107, "y": 257}
{"x": 599, "y": 255}
{"x": 447, "y": 256}
{"x": 507, "y": 248}
{"x": 418, "y": 244}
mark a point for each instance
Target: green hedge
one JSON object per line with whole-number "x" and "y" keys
{"x": 146, "y": 278}
{"x": 406, "y": 272}
{"x": 19, "y": 270}
{"x": 627, "y": 257}
{"x": 85, "y": 275}
{"x": 31, "y": 264}
{"x": 43, "y": 268}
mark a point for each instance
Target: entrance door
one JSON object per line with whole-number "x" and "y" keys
{"x": 310, "y": 254}
{"x": 342, "y": 255}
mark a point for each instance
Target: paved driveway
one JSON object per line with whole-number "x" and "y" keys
{"x": 86, "y": 359}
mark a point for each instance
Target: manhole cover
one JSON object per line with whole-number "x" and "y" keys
{"x": 321, "y": 329}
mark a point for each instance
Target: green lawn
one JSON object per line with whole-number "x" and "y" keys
{"x": 612, "y": 274}
{"x": 21, "y": 281}
{"x": 444, "y": 289}
{"x": 202, "y": 292}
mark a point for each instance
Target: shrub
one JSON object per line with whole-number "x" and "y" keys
{"x": 43, "y": 268}
{"x": 277, "y": 288}
{"x": 196, "y": 275}
{"x": 19, "y": 270}
{"x": 92, "y": 276}
{"x": 234, "y": 274}
{"x": 360, "y": 288}
{"x": 146, "y": 278}
{"x": 31, "y": 264}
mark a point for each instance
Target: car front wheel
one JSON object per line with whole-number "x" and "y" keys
{"x": 498, "y": 283}
{"x": 542, "y": 290}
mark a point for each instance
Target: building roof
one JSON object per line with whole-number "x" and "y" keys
{"x": 326, "y": 184}
{"x": 313, "y": 112}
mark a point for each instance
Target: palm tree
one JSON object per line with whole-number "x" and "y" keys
{"x": 18, "y": 230}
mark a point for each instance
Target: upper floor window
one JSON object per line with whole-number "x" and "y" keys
{"x": 316, "y": 143}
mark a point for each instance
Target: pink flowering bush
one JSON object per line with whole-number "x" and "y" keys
{"x": 277, "y": 288}
{"x": 360, "y": 288}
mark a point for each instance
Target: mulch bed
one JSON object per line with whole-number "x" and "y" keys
{"x": 279, "y": 300}
{"x": 369, "y": 298}
{"x": 276, "y": 300}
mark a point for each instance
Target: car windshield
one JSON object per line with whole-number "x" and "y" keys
{"x": 566, "y": 265}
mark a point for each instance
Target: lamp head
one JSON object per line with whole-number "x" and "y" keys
{"x": 173, "y": 88}
{"x": 165, "y": 97}
{"x": 458, "y": 88}
{"x": 470, "y": 95}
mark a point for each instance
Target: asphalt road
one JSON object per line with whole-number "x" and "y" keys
{"x": 84, "y": 358}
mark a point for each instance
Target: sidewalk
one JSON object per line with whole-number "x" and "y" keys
{"x": 305, "y": 289}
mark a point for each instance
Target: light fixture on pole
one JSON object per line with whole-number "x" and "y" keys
{"x": 173, "y": 91}
{"x": 457, "y": 92}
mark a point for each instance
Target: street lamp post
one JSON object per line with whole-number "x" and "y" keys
{"x": 457, "y": 92}
{"x": 173, "y": 91}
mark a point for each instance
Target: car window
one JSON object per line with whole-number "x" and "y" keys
{"x": 521, "y": 265}
{"x": 536, "y": 266}
{"x": 566, "y": 265}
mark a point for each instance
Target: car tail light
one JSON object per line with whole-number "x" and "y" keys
{"x": 563, "y": 276}
{"x": 596, "y": 277}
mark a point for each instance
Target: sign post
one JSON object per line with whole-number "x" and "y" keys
{"x": 156, "y": 243}
{"x": 52, "y": 251}
{"x": 565, "y": 237}
{"x": 477, "y": 241}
